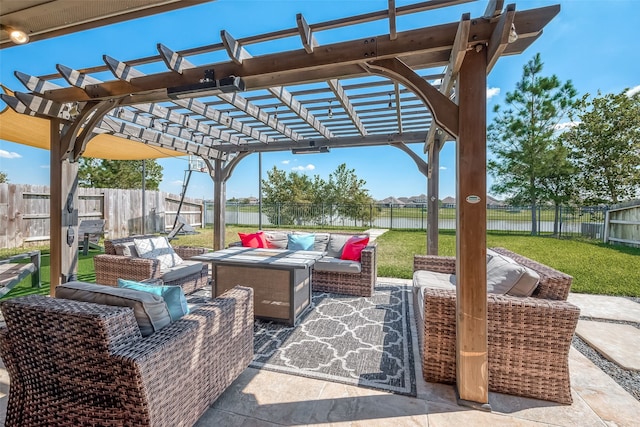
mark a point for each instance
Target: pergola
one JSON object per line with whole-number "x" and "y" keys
{"x": 222, "y": 104}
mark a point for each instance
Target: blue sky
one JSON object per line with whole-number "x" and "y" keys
{"x": 590, "y": 43}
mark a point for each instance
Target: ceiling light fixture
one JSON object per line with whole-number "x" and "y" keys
{"x": 16, "y": 36}
{"x": 330, "y": 110}
{"x": 207, "y": 86}
{"x": 390, "y": 103}
{"x": 275, "y": 114}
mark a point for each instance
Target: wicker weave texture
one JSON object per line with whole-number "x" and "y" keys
{"x": 110, "y": 267}
{"x": 81, "y": 364}
{"x": 358, "y": 284}
{"x": 528, "y": 340}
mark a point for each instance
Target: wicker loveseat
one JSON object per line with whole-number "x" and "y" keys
{"x": 76, "y": 363}
{"x": 111, "y": 266}
{"x": 330, "y": 273}
{"x": 528, "y": 337}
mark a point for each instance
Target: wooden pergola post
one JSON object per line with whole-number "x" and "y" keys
{"x": 219, "y": 204}
{"x": 64, "y": 212}
{"x": 471, "y": 224}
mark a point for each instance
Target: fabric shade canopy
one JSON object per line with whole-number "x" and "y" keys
{"x": 34, "y": 131}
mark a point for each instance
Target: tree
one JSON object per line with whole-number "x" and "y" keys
{"x": 606, "y": 147}
{"x": 522, "y": 137}
{"x": 3, "y": 177}
{"x": 291, "y": 198}
{"x": 96, "y": 173}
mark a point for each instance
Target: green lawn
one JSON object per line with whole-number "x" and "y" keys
{"x": 597, "y": 268}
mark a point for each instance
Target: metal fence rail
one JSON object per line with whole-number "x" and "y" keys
{"x": 571, "y": 220}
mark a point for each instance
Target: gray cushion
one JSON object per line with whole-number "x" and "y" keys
{"x": 277, "y": 239}
{"x": 126, "y": 249}
{"x": 505, "y": 276}
{"x": 177, "y": 272}
{"x": 150, "y": 310}
{"x": 433, "y": 279}
{"x": 337, "y": 265}
{"x": 336, "y": 244}
{"x": 321, "y": 242}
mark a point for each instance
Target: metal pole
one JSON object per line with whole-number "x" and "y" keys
{"x": 144, "y": 184}
{"x": 259, "y": 190}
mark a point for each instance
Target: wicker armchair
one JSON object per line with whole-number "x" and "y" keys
{"x": 110, "y": 267}
{"x": 528, "y": 338}
{"x": 78, "y": 364}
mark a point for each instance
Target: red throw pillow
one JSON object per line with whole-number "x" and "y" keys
{"x": 253, "y": 240}
{"x": 353, "y": 248}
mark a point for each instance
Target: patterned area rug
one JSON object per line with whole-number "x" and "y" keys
{"x": 354, "y": 340}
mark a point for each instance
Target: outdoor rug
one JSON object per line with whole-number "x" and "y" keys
{"x": 354, "y": 340}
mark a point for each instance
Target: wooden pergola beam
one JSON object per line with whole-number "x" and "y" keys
{"x": 500, "y": 37}
{"x": 309, "y": 41}
{"x": 178, "y": 64}
{"x": 428, "y": 46}
{"x": 239, "y": 55}
{"x": 392, "y": 20}
{"x": 124, "y": 71}
{"x": 340, "y": 93}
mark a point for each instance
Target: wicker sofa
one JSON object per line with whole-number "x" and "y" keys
{"x": 115, "y": 264}
{"x": 528, "y": 337}
{"x": 76, "y": 363}
{"x": 330, "y": 273}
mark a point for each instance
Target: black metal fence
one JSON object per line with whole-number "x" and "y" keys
{"x": 563, "y": 221}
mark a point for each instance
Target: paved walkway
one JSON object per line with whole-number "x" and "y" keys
{"x": 264, "y": 398}
{"x": 600, "y": 327}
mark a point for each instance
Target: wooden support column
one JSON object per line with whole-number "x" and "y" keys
{"x": 64, "y": 212}
{"x": 219, "y": 205}
{"x": 433, "y": 204}
{"x": 471, "y": 224}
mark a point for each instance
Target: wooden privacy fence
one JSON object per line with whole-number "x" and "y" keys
{"x": 24, "y": 212}
{"x": 622, "y": 224}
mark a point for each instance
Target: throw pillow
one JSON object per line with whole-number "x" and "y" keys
{"x": 301, "y": 242}
{"x": 253, "y": 240}
{"x": 157, "y": 248}
{"x": 173, "y": 296}
{"x": 126, "y": 249}
{"x": 353, "y": 248}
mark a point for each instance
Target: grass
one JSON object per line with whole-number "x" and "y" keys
{"x": 597, "y": 268}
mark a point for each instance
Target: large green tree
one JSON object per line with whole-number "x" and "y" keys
{"x": 3, "y": 177}
{"x": 295, "y": 197}
{"x": 127, "y": 174}
{"x": 522, "y": 137}
{"x": 606, "y": 147}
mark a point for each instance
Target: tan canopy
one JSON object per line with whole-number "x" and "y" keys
{"x": 34, "y": 131}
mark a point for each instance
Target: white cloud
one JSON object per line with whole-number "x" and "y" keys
{"x": 633, "y": 91}
{"x": 177, "y": 182}
{"x": 309, "y": 167}
{"x": 566, "y": 125}
{"x": 9, "y": 154}
{"x": 492, "y": 91}
{"x": 286, "y": 162}
{"x": 443, "y": 168}
{"x": 45, "y": 166}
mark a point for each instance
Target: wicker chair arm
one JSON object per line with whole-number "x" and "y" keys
{"x": 199, "y": 355}
{"x": 186, "y": 252}
{"x": 110, "y": 267}
{"x": 440, "y": 264}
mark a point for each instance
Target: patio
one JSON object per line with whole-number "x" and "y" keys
{"x": 266, "y": 398}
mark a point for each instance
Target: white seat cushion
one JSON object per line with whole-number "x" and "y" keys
{"x": 505, "y": 276}
{"x": 177, "y": 272}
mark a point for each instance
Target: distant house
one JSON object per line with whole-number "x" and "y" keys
{"x": 252, "y": 200}
{"x": 449, "y": 202}
{"x": 417, "y": 201}
{"x": 391, "y": 201}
